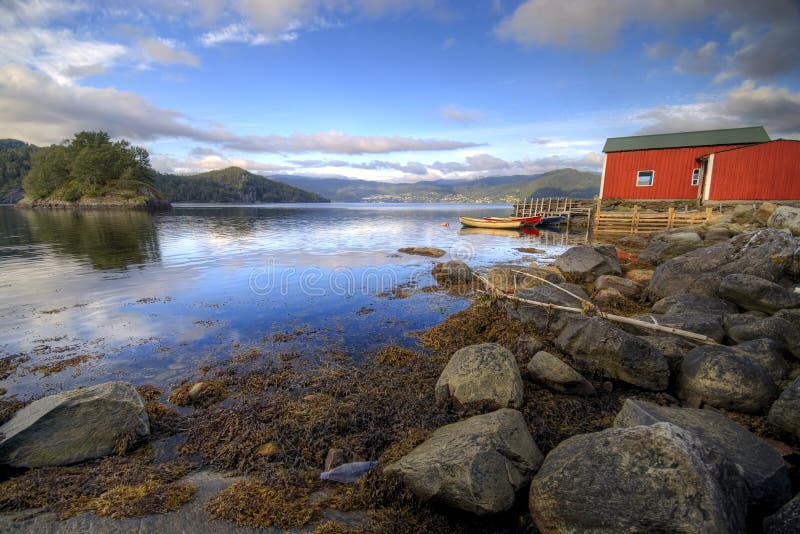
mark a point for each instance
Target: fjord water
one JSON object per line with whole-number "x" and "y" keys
{"x": 151, "y": 297}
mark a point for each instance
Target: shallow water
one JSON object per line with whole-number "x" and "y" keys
{"x": 152, "y": 297}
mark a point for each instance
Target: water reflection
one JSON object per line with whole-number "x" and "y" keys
{"x": 157, "y": 295}
{"x": 106, "y": 239}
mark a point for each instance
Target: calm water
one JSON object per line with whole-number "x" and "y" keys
{"x": 151, "y": 297}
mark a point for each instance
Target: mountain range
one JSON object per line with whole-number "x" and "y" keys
{"x": 560, "y": 182}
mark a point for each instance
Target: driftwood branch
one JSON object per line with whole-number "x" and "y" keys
{"x": 610, "y": 316}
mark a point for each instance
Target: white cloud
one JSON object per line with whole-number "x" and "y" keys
{"x": 763, "y": 34}
{"x": 659, "y": 50}
{"x": 703, "y": 60}
{"x": 58, "y": 53}
{"x": 165, "y": 51}
{"x": 35, "y": 108}
{"x": 776, "y": 108}
{"x": 460, "y": 114}
{"x": 210, "y": 162}
{"x": 240, "y": 32}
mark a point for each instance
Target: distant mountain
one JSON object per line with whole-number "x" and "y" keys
{"x": 15, "y": 162}
{"x": 561, "y": 182}
{"x": 230, "y": 185}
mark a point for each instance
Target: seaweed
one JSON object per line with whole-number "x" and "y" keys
{"x": 74, "y": 489}
{"x": 256, "y": 504}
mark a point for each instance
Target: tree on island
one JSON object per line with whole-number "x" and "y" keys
{"x": 89, "y": 165}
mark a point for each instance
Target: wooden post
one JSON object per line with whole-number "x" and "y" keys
{"x": 709, "y": 211}
{"x": 635, "y": 220}
{"x": 670, "y": 218}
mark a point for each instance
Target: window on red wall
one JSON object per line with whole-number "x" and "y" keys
{"x": 644, "y": 178}
{"x": 696, "y": 177}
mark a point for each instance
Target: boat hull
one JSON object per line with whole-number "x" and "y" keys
{"x": 503, "y": 224}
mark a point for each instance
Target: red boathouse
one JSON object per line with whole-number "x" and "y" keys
{"x": 713, "y": 165}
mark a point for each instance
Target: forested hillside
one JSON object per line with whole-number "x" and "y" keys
{"x": 560, "y": 182}
{"x": 230, "y": 185}
{"x": 15, "y": 162}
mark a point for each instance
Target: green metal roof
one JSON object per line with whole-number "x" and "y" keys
{"x": 731, "y": 136}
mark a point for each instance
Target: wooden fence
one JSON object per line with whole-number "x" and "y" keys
{"x": 644, "y": 222}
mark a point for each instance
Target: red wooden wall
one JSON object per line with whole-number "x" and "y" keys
{"x": 673, "y": 172}
{"x": 769, "y": 171}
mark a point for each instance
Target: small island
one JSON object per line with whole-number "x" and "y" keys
{"x": 90, "y": 170}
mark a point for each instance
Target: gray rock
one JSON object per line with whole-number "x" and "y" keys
{"x": 476, "y": 465}
{"x": 658, "y": 478}
{"x": 754, "y": 293}
{"x": 768, "y": 354}
{"x": 452, "y": 272}
{"x": 770, "y": 254}
{"x": 785, "y": 412}
{"x": 609, "y": 299}
{"x": 669, "y": 245}
{"x": 785, "y": 217}
{"x": 765, "y": 211}
{"x": 785, "y": 520}
{"x": 556, "y": 375}
{"x": 762, "y": 466}
{"x": 73, "y": 426}
{"x": 527, "y": 346}
{"x": 510, "y": 278}
{"x": 716, "y": 235}
{"x": 707, "y": 325}
{"x": 485, "y": 374}
{"x": 743, "y": 213}
{"x": 791, "y": 315}
{"x": 601, "y": 346}
{"x": 585, "y": 263}
{"x": 693, "y": 303}
{"x": 628, "y": 288}
{"x": 544, "y": 320}
{"x": 724, "y": 378}
{"x": 673, "y": 348}
{"x": 773, "y": 328}
{"x": 633, "y": 241}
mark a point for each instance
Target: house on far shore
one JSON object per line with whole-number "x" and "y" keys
{"x": 738, "y": 164}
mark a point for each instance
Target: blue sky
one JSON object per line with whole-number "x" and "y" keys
{"x": 389, "y": 89}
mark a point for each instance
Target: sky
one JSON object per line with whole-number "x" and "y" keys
{"x": 394, "y": 90}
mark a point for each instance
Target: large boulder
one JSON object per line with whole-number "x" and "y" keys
{"x": 754, "y": 293}
{"x": 599, "y": 345}
{"x": 557, "y": 376}
{"x": 708, "y": 325}
{"x": 510, "y": 278}
{"x": 767, "y": 353}
{"x": 485, "y": 374}
{"x": 452, "y": 272}
{"x": 476, "y": 465}
{"x": 770, "y": 254}
{"x": 546, "y": 320}
{"x": 628, "y": 288}
{"x": 668, "y": 245}
{"x": 785, "y": 520}
{"x": 765, "y": 211}
{"x": 73, "y": 426}
{"x": 785, "y": 412}
{"x": 658, "y": 478}
{"x": 774, "y": 328}
{"x": 693, "y": 303}
{"x": 785, "y": 217}
{"x": 674, "y": 349}
{"x": 724, "y": 378}
{"x": 585, "y": 263}
{"x": 762, "y": 466}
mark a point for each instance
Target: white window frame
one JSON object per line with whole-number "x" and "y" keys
{"x": 652, "y": 178}
{"x": 696, "y": 177}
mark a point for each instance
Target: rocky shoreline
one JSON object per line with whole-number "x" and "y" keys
{"x": 516, "y": 418}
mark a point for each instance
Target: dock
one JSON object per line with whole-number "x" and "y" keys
{"x": 545, "y": 207}
{"x": 638, "y": 221}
